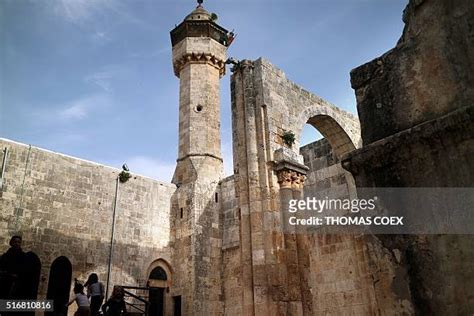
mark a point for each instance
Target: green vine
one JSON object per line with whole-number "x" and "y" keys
{"x": 124, "y": 176}
{"x": 288, "y": 138}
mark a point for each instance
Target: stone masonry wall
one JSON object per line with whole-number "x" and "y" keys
{"x": 325, "y": 176}
{"x": 231, "y": 261}
{"x": 338, "y": 270}
{"x": 289, "y": 107}
{"x": 428, "y": 74}
{"x": 62, "y": 206}
{"x": 283, "y": 271}
{"x": 230, "y": 214}
{"x": 416, "y": 108}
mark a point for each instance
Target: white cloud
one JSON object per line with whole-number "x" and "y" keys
{"x": 152, "y": 54}
{"x": 101, "y": 37}
{"x": 77, "y": 11}
{"x": 80, "y": 108}
{"x": 101, "y": 79}
{"x": 106, "y": 75}
{"x": 152, "y": 168}
{"x": 75, "y": 111}
{"x": 81, "y": 12}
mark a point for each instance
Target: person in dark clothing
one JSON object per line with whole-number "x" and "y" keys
{"x": 11, "y": 269}
{"x": 115, "y": 305}
{"x": 95, "y": 290}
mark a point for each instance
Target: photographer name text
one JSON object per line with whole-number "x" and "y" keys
{"x": 353, "y": 208}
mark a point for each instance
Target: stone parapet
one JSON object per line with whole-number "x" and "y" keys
{"x": 199, "y": 50}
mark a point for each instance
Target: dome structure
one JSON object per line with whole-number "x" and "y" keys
{"x": 200, "y": 23}
{"x": 198, "y": 14}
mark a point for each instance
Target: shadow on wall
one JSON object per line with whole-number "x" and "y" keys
{"x": 130, "y": 261}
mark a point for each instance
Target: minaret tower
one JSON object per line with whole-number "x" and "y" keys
{"x": 199, "y": 55}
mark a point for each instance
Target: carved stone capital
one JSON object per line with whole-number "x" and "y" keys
{"x": 285, "y": 178}
{"x": 291, "y": 173}
{"x": 297, "y": 181}
{"x": 290, "y": 179}
{"x": 198, "y": 58}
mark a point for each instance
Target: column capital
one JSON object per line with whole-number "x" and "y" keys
{"x": 298, "y": 181}
{"x": 285, "y": 178}
{"x": 290, "y": 179}
{"x": 291, "y": 173}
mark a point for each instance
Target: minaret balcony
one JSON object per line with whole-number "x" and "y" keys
{"x": 200, "y": 28}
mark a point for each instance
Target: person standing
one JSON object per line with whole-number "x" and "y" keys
{"x": 12, "y": 265}
{"x": 95, "y": 291}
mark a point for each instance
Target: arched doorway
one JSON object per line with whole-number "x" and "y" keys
{"x": 59, "y": 284}
{"x": 157, "y": 281}
{"x": 31, "y": 276}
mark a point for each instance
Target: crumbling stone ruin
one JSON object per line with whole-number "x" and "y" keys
{"x": 415, "y": 105}
{"x": 220, "y": 246}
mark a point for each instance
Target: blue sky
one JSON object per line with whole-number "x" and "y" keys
{"x": 93, "y": 78}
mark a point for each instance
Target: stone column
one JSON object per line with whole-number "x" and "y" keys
{"x": 291, "y": 178}
{"x": 302, "y": 245}
{"x": 292, "y": 291}
{"x": 248, "y": 181}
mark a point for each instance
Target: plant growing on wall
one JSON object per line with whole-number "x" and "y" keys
{"x": 288, "y": 138}
{"x": 124, "y": 176}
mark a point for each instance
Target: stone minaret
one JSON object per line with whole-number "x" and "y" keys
{"x": 199, "y": 54}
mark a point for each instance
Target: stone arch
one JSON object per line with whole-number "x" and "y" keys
{"x": 59, "y": 284}
{"x": 340, "y": 128}
{"x": 163, "y": 264}
{"x": 158, "y": 273}
{"x": 334, "y": 133}
{"x": 159, "y": 276}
